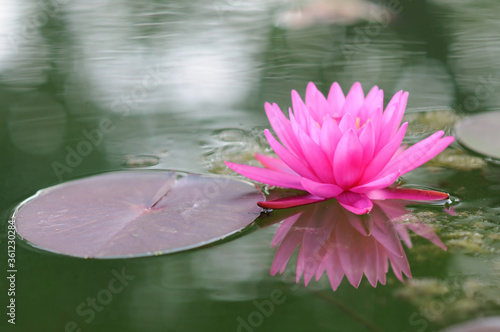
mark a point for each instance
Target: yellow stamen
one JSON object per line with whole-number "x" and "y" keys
{"x": 334, "y": 120}
{"x": 358, "y": 123}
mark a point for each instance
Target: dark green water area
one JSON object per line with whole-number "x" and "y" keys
{"x": 88, "y": 87}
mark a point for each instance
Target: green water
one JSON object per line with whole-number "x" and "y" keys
{"x": 184, "y": 85}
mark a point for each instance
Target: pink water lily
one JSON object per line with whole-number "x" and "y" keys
{"x": 343, "y": 147}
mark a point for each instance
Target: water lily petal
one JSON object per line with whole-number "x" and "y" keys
{"x": 300, "y": 111}
{"x": 396, "y": 118}
{"x": 367, "y": 140}
{"x": 291, "y": 201}
{"x": 333, "y": 269}
{"x": 400, "y": 265}
{"x": 408, "y": 194}
{"x": 311, "y": 127}
{"x": 282, "y": 127}
{"x": 287, "y": 247}
{"x": 431, "y": 153}
{"x": 354, "y": 202}
{"x": 314, "y": 243}
{"x": 376, "y": 122}
{"x": 284, "y": 228}
{"x": 390, "y": 209}
{"x": 347, "y": 160}
{"x": 351, "y": 252}
{"x": 419, "y": 153}
{"x": 325, "y": 190}
{"x": 274, "y": 163}
{"x": 379, "y": 183}
{"x": 354, "y": 100}
{"x": 321, "y": 269}
{"x": 336, "y": 99}
{"x": 404, "y": 235}
{"x": 268, "y": 176}
{"x": 371, "y": 261}
{"x": 347, "y": 123}
{"x": 316, "y": 102}
{"x": 413, "y": 153}
{"x": 315, "y": 158}
{"x": 385, "y": 232}
{"x": 288, "y": 158}
{"x": 314, "y": 131}
{"x": 428, "y": 233}
{"x": 373, "y": 105}
{"x": 390, "y": 121}
{"x": 384, "y": 155}
{"x": 392, "y": 108}
{"x": 383, "y": 266}
{"x": 329, "y": 137}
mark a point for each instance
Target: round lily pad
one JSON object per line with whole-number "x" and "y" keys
{"x": 480, "y": 133}
{"x": 136, "y": 213}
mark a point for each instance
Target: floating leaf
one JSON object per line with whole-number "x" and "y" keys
{"x": 136, "y": 213}
{"x": 480, "y": 133}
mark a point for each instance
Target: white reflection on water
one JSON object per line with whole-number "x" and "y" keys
{"x": 203, "y": 59}
{"x": 24, "y": 54}
{"x": 8, "y": 14}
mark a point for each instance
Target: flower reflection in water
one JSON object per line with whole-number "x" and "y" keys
{"x": 339, "y": 242}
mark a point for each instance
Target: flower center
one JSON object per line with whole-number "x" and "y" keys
{"x": 358, "y": 123}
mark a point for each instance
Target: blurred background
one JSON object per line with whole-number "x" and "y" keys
{"x": 94, "y": 86}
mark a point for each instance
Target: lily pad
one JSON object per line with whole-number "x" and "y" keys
{"x": 480, "y": 133}
{"x": 136, "y": 213}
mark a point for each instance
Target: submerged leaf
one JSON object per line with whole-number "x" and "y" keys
{"x": 136, "y": 213}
